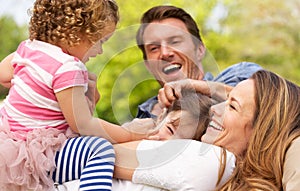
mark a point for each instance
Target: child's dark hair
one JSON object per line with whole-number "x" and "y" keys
{"x": 198, "y": 105}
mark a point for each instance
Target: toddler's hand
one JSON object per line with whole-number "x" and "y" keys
{"x": 141, "y": 126}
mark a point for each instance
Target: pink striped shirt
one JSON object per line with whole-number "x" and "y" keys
{"x": 40, "y": 71}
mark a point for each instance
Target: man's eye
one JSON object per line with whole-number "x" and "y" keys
{"x": 153, "y": 48}
{"x": 174, "y": 42}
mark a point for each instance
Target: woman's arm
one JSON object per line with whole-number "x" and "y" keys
{"x": 6, "y": 71}
{"x": 126, "y": 160}
{"x": 73, "y": 104}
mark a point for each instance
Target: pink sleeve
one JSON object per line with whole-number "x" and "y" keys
{"x": 70, "y": 75}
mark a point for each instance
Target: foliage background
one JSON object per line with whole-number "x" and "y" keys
{"x": 265, "y": 32}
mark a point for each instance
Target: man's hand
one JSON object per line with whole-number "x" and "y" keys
{"x": 172, "y": 90}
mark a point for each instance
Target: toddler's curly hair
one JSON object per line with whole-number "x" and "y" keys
{"x": 68, "y": 21}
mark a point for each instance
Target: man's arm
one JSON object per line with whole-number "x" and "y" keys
{"x": 172, "y": 90}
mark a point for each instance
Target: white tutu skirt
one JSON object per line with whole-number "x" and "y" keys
{"x": 25, "y": 164}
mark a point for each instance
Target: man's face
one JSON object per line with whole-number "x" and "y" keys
{"x": 171, "y": 53}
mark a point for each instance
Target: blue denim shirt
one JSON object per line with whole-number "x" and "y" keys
{"x": 230, "y": 76}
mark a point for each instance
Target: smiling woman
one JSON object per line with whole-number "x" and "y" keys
{"x": 260, "y": 131}
{"x": 232, "y": 121}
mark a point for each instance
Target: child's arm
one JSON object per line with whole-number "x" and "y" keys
{"x": 92, "y": 94}
{"x": 6, "y": 71}
{"x": 76, "y": 111}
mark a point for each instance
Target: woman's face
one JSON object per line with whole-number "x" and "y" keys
{"x": 231, "y": 122}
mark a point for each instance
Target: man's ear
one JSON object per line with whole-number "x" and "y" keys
{"x": 147, "y": 64}
{"x": 200, "y": 52}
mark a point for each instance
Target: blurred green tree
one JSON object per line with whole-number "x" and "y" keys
{"x": 265, "y": 32}
{"x": 10, "y": 36}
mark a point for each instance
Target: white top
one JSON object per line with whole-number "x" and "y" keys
{"x": 176, "y": 165}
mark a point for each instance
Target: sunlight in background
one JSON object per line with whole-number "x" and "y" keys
{"x": 17, "y": 9}
{"x": 265, "y": 32}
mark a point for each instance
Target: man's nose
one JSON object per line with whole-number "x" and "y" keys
{"x": 166, "y": 52}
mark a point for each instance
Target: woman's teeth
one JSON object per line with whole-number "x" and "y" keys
{"x": 215, "y": 126}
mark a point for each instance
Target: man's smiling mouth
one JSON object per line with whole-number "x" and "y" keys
{"x": 171, "y": 68}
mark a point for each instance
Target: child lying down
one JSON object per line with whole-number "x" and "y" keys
{"x": 178, "y": 160}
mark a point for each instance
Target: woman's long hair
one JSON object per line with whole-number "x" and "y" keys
{"x": 276, "y": 125}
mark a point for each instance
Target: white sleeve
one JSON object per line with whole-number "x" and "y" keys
{"x": 180, "y": 165}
